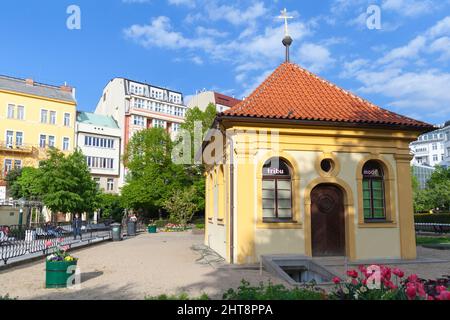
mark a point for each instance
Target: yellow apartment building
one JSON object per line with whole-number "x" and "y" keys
{"x": 33, "y": 118}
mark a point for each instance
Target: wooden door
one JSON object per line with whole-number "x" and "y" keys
{"x": 327, "y": 221}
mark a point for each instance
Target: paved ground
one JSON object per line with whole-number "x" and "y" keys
{"x": 132, "y": 269}
{"x": 157, "y": 264}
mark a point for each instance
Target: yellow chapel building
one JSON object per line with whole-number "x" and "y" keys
{"x": 303, "y": 167}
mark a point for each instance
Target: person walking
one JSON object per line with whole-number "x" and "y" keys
{"x": 76, "y": 226}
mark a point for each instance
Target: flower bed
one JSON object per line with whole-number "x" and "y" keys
{"x": 383, "y": 283}
{"x": 172, "y": 227}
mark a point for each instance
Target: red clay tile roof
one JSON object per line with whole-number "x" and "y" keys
{"x": 292, "y": 92}
{"x": 225, "y": 100}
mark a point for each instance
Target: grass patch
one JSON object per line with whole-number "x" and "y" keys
{"x": 432, "y": 240}
{"x": 273, "y": 292}
{"x": 180, "y": 297}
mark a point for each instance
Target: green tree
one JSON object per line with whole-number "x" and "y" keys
{"x": 110, "y": 206}
{"x": 11, "y": 179}
{"x": 65, "y": 183}
{"x": 437, "y": 192}
{"x": 28, "y": 184}
{"x": 181, "y": 205}
{"x": 152, "y": 174}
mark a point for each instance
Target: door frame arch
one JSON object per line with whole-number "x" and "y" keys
{"x": 349, "y": 214}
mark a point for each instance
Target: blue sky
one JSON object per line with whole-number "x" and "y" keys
{"x": 188, "y": 45}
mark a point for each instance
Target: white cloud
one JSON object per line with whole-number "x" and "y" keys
{"x": 159, "y": 33}
{"x": 136, "y": 1}
{"x": 202, "y": 31}
{"x": 315, "y": 58}
{"x": 188, "y": 3}
{"x": 411, "y": 50}
{"x": 442, "y": 47}
{"x": 441, "y": 28}
{"x": 235, "y": 15}
{"x": 410, "y": 8}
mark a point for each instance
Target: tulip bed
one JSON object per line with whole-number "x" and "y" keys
{"x": 383, "y": 283}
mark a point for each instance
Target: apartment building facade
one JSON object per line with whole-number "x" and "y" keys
{"x": 98, "y": 137}
{"x": 203, "y": 99}
{"x": 33, "y": 118}
{"x": 136, "y": 106}
{"x": 432, "y": 148}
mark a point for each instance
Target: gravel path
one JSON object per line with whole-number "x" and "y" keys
{"x": 146, "y": 265}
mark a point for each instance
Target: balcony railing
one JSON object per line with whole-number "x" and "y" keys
{"x": 13, "y": 147}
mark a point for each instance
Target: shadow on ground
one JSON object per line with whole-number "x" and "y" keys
{"x": 104, "y": 292}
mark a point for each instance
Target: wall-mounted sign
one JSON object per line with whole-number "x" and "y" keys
{"x": 274, "y": 172}
{"x": 371, "y": 173}
{"x": 276, "y": 167}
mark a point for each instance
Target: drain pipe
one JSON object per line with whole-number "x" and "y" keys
{"x": 231, "y": 202}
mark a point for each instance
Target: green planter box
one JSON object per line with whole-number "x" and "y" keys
{"x": 57, "y": 273}
{"x": 151, "y": 229}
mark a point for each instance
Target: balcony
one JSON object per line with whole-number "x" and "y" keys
{"x": 14, "y": 148}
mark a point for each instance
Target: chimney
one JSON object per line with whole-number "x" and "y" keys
{"x": 66, "y": 88}
{"x": 29, "y": 82}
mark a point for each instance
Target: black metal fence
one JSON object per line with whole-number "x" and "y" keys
{"x": 19, "y": 240}
{"x": 440, "y": 228}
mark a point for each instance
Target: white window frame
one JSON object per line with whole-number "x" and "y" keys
{"x": 40, "y": 140}
{"x": 23, "y": 112}
{"x": 21, "y": 142}
{"x": 63, "y": 143}
{"x": 51, "y": 119}
{"x": 8, "y": 109}
{"x": 68, "y": 124}
{"x": 46, "y": 116}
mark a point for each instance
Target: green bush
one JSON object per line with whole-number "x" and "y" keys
{"x": 432, "y": 218}
{"x": 182, "y": 296}
{"x": 7, "y": 297}
{"x": 273, "y": 292}
{"x": 200, "y": 226}
{"x": 432, "y": 240}
{"x": 161, "y": 223}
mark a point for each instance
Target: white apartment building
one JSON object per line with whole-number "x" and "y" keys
{"x": 99, "y": 139}
{"x": 432, "y": 148}
{"x": 137, "y": 106}
{"x": 203, "y": 99}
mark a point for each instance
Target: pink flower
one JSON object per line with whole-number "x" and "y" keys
{"x": 337, "y": 280}
{"x": 48, "y": 244}
{"x": 354, "y": 282}
{"x": 386, "y": 273}
{"x": 411, "y": 291}
{"x": 398, "y": 272}
{"x": 363, "y": 271}
{"x": 430, "y": 298}
{"x": 444, "y": 295}
{"x": 65, "y": 248}
{"x": 352, "y": 274}
{"x": 413, "y": 278}
{"x": 439, "y": 289}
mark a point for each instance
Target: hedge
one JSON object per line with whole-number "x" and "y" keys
{"x": 432, "y": 218}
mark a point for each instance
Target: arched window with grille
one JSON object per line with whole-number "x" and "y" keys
{"x": 277, "y": 191}
{"x": 374, "y": 200}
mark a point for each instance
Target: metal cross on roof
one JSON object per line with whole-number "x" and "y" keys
{"x": 285, "y": 17}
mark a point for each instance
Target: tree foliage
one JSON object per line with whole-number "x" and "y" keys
{"x": 181, "y": 205}
{"x": 437, "y": 193}
{"x": 65, "y": 182}
{"x": 152, "y": 174}
{"x": 110, "y": 206}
